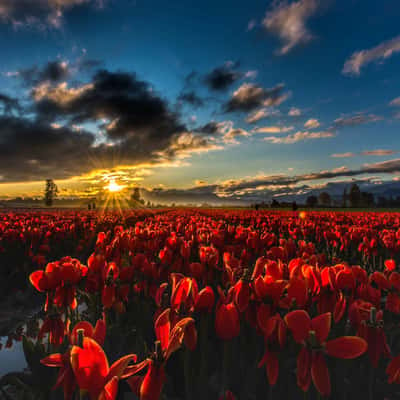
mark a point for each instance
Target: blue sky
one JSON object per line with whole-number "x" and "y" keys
{"x": 324, "y": 74}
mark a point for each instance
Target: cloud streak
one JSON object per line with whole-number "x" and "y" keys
{"x": 355, "y": 120}
{"x": 299, "y": 136}
{"x": 362, "y": 58}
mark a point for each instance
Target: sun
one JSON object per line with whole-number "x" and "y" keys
{"x": 113, "y": 186}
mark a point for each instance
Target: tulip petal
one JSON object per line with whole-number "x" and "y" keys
{"x": 297, "y": 289}
{"x": 99, "y": 334}
{"x": 110, "y": 390}
{"x": 134, "y": 369}
{"x": 135, "y": 382}
{"x": 322, "y": 326}
{"x": 320, "y": 374}
{"x": 90, "y": 365}
{"x": 181, "y": 292}
{"x": 162, "y": 328}
{"x": 303, "y": 369}
{"x": 53, "y": 360}
{"x": 118, "y": 369}
{"x": 299, "y": 322}
{"x": 272, "y": 367}
{"x": 38, "y": 280}
{"x": 346, "y": 347}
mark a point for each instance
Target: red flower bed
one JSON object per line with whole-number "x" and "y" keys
{"x": 195, "y": 304}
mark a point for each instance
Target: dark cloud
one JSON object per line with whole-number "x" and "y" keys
{"x": 210, "y": 128}
{"x": 191, "y": 79}
{"x": 221, "y": 78}
{"x": 132, "y": 109}
{"x": 191, "y": 98}
{"x": 135, "y": 126}
{"x": 32, "y": 150}
{"x": 249, "y": 97}
{"x": 9, "y": 104}
{"x": 53, "y": 71}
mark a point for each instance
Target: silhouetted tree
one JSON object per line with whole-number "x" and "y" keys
{"x": 135, "y": 197}
{"x": 367, "y": 199}
{"x": 355, "y": 195}
{"x": 275, "y": 203}
{"x": 382, "y": 201}
{"x": 312, "y": 201}
{"x": 325, "y": 199}
{"x": 344, "y": 199}
{"x": 50, "y": 192}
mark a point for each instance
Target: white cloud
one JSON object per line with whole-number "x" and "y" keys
{"x": 379, "y": 152}
{"x": 260, "y": 114}
{"x": 381, "y": 52}
{"x": 343, "y": 155}
{"x": 273, "y": 129}
{"x": 288, "y": 22}
{"x": 251, "y": 74}
{"x": 232, "y": 134}
{"x": 312, "y": 123}
{"x": 395, "y": 102}
{"x": 294, "y": 112}
{"x": 251, "y": 25}
{"x": 299, "y": 136}
{"x": 11, "y": 74}
{"x": 249, "y": 96}
{"x": 60, "y": 94}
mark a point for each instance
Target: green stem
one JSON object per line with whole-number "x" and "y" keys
{"x": 371, "y": 382}
{"x": 225, "y": 366}
{"x": 187, "y": 373}
{"x": 203, "y": 384}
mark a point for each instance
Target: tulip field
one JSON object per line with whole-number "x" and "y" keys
{"x": 200, "y": 304}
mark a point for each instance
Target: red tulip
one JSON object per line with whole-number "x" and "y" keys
{"x": 54, "y": 326}
{"x": 312, "y": 334}
{"x": 227, "y": 324}
{"x": 92, "y": 372}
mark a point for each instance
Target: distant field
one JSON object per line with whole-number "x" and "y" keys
{"x": 365, "y": 209}
{"x": 40, "y": 207}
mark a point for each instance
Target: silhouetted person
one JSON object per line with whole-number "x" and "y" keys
{"x": 256, "y": 207}
{"x": 294, "y": 206}
{"x": 89, "y": 206}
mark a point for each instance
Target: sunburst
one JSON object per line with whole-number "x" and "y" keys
{"x": 114, "y": 187}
